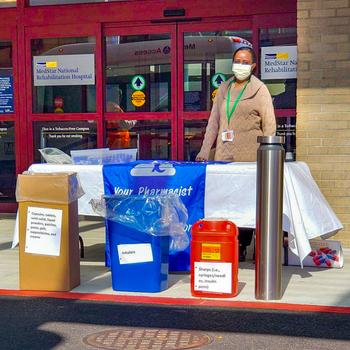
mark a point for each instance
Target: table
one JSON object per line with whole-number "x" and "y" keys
{"x": 230, "y": 192}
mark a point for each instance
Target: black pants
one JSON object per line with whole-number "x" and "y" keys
{"x": 245, "y": 238}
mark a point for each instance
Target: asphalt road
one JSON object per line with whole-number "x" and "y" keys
{"x": 43, "y": 323}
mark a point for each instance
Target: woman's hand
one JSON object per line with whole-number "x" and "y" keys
{"x": 201, "y": 159}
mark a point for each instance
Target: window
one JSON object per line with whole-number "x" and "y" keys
{"x": 207, "y": 63}
{"x": 64, "y": 135}
{"x": 194, "y": 131}
{"x": 64, "y": 75}
{"x": 6, "y": 78}
{"x": 279, "y": 48}
{"x": 138, "y": 74}
{"x": 7, "y": 127}
{"x": 7, "y": 161}
{"x": 7, "y": 3}
{"x": 286, "y": 126}
{"x": 152, "y": 138}
{"x": 64, "y": 2}
{"x": 283, "y": 90}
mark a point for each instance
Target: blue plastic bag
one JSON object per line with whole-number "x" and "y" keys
{"x": 162, "y": 215}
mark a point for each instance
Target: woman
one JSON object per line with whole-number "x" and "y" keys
{"x": 242, "y": 111}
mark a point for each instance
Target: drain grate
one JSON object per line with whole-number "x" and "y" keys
{"x": 146, "y": 339}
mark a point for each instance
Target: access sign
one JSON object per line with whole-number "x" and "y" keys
{"x": 217, "y": 79}
{"x": 138, "y": 82}
{"x": 138, "y": 98}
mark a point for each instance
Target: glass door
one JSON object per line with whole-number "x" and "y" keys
{"x": 140, "y": 109}
{"x": 205, "y": 61}
{"x": 64, "y": 87}
{"x": 9, "y": 123}
{"x": 160, "y": 82}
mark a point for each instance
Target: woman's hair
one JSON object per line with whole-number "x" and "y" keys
{"x": 246, "y": 48}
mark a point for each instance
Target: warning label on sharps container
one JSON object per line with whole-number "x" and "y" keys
{"x": 211, "y": 251}
{"x": 213, "y": 277}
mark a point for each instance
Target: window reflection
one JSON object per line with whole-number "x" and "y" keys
{"x": 71, "y": 58}
{"x": 138, "y": 74}
{"x": 152, "y": 138}
{"x": 64, "y": 135}
{"x": 207, "y": 63}
{"x": 7, "y": 161}
{"x": 194, "y": 131}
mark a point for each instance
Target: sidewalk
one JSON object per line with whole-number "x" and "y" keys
{"x": 308, "y": 286}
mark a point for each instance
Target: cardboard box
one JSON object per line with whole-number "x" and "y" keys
{"x": 324, "y": 253}
{"x": 48, "y": 231}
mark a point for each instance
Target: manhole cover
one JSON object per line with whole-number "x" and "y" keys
{"x": 146, "y": 339}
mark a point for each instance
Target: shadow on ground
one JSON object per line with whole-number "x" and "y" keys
{"x": 22, "y": 317}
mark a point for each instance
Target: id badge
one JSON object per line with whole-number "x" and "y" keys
{"x": 227, "y": 136}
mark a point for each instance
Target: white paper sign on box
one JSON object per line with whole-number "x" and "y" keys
{"x": 43, "y": 231}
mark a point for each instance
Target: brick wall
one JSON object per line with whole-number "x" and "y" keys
{"x": 323, "y": 100}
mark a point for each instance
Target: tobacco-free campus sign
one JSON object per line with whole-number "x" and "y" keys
{"x": 279, "y": 62}
{"x": 64, "y": 70}
{"x": 138, "y": 98}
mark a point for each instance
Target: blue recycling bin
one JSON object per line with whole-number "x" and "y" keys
{"x": 139, "y": 261}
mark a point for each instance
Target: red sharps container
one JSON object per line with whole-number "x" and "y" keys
{"x": 214, "y": 259}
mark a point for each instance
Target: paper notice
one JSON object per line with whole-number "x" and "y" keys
{"x": 43, "y": 232}
{"x": 213, "y": 277}
{"x": 134, "y": 253}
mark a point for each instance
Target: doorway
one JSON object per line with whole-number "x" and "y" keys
{"x": 160, "y": 83}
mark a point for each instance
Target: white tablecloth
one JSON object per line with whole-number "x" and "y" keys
{"x": 90, "y": 177}
{"x": 231, "y": 193}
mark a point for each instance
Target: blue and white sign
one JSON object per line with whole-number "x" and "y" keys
{"x": 6, "y": 95}
{"x": 160, "y": 177}
{"x": 279, "y": 62}
{"x": 64, "y": 70}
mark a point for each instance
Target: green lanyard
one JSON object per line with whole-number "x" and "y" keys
{"x": 228, "y": 112}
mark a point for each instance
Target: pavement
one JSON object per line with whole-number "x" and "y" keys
{"x": 47, "y": 323}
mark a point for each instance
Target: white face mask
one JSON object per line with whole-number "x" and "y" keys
{"x": 241, "y": 71}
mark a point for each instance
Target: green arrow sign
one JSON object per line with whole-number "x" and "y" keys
{"x": 217, "y": 79}
{"x": 138, "y": 82}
